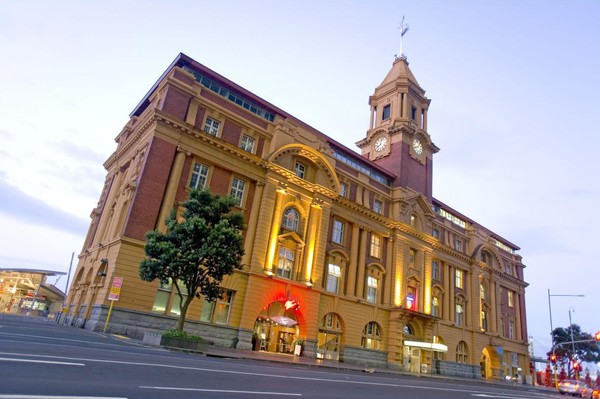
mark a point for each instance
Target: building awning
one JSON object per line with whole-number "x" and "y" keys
{"x": 432, "y": 346}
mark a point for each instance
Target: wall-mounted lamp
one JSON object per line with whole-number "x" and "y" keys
{"x": 101, "y": 274}
{"x": 100, "y": 245}
{"x": 309, "y": 283}
{"x": 103, "y": 261}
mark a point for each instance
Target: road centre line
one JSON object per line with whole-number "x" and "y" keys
{"x": 223, "y": 391}
{"x": 62, "y": 339}
{"x": 253, "y": 374}
{"x": 8, "y": 359}
{"x": 13, "y": 396}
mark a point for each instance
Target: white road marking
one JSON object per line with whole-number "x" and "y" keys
{"x": 224, "y": 391}
{"x": 8, "y": 359}
{"x": 266, "y": 375}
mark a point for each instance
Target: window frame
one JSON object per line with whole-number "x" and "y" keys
{"x": 198, "y": 175}
{"x": 378, "y": 206}
{"x": 236, "y": 192}
{"x": 215, "y": 309}
{"x": 459, "y": 278}
{"x": 337, "y": 233}
{"x": 290, "y": 223}
{"x": 247, "y": 143}
{"x": 435, "y": 270}
{"x": 386, "y": 112}
{"x": 459, "y": 315}
{"x": 375, "y": 247}
{"x": 300, "y": 169}
{"x": 212, "y": 126}
{"x": 285, "y": 262}
{"x": 333, "y": 278}
{"x": 371, "y": 336}
{"x": 372, "y": 289}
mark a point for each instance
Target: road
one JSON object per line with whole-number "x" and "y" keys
{"x": 40, "y": 359}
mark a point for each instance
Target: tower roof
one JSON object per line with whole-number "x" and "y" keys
{"x": 400, "y": 73}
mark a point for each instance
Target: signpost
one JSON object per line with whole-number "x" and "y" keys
{"x": 113, "y": 296}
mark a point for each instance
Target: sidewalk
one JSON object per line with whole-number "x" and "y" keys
{"x": 220, "y": 352}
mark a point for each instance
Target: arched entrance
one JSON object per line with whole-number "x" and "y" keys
{"x": 276, "y": 328}
{"x": 490, "y": 363}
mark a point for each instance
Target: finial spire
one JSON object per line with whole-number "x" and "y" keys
{"x": 403, "y": 29}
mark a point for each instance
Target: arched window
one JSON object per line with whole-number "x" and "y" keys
{"x": 290, "y": 219}
{"x": 408, "y": 330}
{"x": 371, "y": 338}
{"x": 462, "y": 355}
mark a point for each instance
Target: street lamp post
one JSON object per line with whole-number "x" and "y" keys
{"x": 552, "y": 329}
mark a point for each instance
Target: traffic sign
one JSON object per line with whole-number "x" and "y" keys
{"x": 115, "y": 289}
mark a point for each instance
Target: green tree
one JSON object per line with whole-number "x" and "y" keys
{"x": 586, "y": 351}
{"x": 198, "y": 250}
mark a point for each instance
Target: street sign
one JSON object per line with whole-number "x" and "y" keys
{"x": 115, "y": 289}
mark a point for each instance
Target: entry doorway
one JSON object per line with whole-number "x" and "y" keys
{"x": 276, "y": 329}
{"x": 412, "y": 359}
{"x": 328, "y": 345}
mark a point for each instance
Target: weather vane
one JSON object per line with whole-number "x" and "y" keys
{"x": 403, "y": 29}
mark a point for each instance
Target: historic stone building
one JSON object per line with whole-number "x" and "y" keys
{"x": 349, "y": 252}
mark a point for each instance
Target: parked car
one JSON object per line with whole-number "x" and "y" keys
{"x": 589, "y": 392}
{"x": 572, "y": 387}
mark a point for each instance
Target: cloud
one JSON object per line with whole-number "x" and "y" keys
{"x": 29, "y": 209}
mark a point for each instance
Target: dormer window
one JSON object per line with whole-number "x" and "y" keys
{"x": 387, "y": 111}
{"x": 300, "y": 170}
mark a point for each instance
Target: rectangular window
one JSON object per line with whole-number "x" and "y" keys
{"x": 511, "y": 329}
{"x": 372, "y": 283}
{"x": 161, "y": 301}
{"x": 435, "y": 270}
{"x": 435, "y": 233}
{"x": 217, "y": 312}
{"x": 459, "y": 315}
{"x": 377, "y": 206}
{"x": 511, "y": 303}
{"x": 211, "y": 126}
{"x": 502, "y": 328}
{"x": 459, "y": 278}
{"x": 300, "y": 170}
{"x": 247, "y": 143}
{"x": 413, "y": 113}
{"x": 483, "y": 321}
{"x": 199, "y": 176}
{"x": 412, "y": 254}
{"x": 435, "y": 306}
{"x": 458, "y": 245}
{"x": 386, "y": 112}
{"x": 238, "y": 187}
{"x": 285, "y": 266}
{"x": 344, "y": 190}
{"x": 334, "y": 274}
{"x": 375, "y": 246}
{"x": 338, "y": 232}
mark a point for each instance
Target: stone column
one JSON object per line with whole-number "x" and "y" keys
{"x": 493, "y": 306}
{"x": 427, "y": 283}
{"x": 251, "y": 230}
{"x": 170, "y": 191}
{"x": 398, "y": 282}
{"x": 389, "y": 268}
{"x": 275, "y": 224}
{"x": 351, "y": 281}
{"x": 517, "y": 303}
{"x": 452, "y": 302}
{"x": 311, "y": 238}
{"x": 360, "y": 280}
{"x": 446, "y": 300}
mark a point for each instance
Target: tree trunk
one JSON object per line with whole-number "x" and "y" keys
{"x": 183, "y": 307}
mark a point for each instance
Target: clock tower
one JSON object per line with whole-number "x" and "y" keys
{"x": 397, "y": 138}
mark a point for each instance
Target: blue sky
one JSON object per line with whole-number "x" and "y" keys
{"x": 514, "y": 88}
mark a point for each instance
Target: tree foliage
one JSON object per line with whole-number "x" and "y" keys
{"x": 197, "y": 250}
{"x": 584, "y": 351}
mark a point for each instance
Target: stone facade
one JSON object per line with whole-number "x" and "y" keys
{"x": 349, "y": 252}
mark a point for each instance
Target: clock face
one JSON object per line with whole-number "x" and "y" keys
{"x": 380, "y": 144}
{"x": 417, "y": 146}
